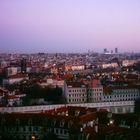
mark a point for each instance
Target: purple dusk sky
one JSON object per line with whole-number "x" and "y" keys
{"x": 69, "y": 25}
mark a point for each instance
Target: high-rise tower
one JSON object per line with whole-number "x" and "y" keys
{"x": 116, "y": 50}
{"x": 23, "y": 65}
{"x": 105, "y": 50}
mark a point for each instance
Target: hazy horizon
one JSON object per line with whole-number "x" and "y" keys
{"x": 69, "y": 26}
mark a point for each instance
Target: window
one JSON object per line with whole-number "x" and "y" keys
{"x": 62, "y": 123}
{"x": 3, "y": 121}
{"x": 30, "y": 122}
{"x": 17, "y": 122}
{"x": 122, "y": 122}
{"x": 61, "y": 131}
{"x": 135, "y": 124}
{"x": 54, "y": 122}
{"x": 24, "y": 128}
{"x": 17, "y": 128}
{"x": 65, "y": 131}
{"x": 56, "y": 130}
{"x": 30, "y": 128}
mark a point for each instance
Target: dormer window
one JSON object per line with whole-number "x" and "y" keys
{"x": 135, "y": 124}
{"x": 70, "y": 124}
{"x": 62, "y": 123}
{"x": 45, "y": 120}
{"x": 122, "y": 122}
{"x": 77, "y": 112}
{"x": 54, "y": 122}
{"x": 67, "y": 114}
{"x": 17, "y": 121}
{"x": 3, "y": 121}
{"x": 30, "y": 122}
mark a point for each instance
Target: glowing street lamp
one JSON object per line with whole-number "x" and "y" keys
{"x": 111, "y": 121}
{"x": 33, "y": 137}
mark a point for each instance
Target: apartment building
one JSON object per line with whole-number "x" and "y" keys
{"x": 78, "y": 92}
{"x": 121, "y": 93}
{"x": 62, "y": 123}
{"x": 75, "y": 92}
{"x": 95, "y": 91}
{"x": 15, "y": 78}
{"x": 70, "y": 123}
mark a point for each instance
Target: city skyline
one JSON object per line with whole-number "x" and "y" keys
{"x": 69, "y": 26}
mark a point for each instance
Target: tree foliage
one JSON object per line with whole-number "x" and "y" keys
{"x": 34, "y": 91}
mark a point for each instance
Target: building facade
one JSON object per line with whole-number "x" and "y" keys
{"x": 121, "y": 93}
{"x": 78, "y": 92}
{"x": 75, "y": 92}
{"x": 95, "y": 91}
{"x": 69, "y": 123}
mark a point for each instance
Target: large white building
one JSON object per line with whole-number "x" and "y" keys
{"x": 128, "y": 62}
{"x": 52, "y": 82}
{"x": 95, "y": 91}
{"x": 78, "y": 92}
{"x": 15, "y": 79}
{"x": 75, "y": 92}
{"x": 109, "y": 65}
{"x": 120, "y": 93}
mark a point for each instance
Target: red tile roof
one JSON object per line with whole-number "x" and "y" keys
{"x": 76, "y": 84}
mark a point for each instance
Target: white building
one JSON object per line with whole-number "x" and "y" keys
{"x": 128, "y": 62}
{"x": 109, "y": 65}
{"x": 121, "y": 93}
{"x": 15, "y": 78}
{"x": 75, "y": 92}
{"x": 95, "y": 91}
{"x": 78, "y": 67}
{"x": 52, "y": 82}
{"x": 14, "y": 98}
{"x": 11, "y": 71}
{"x": 78, "y": 92}
{"x": 2, "y": 93}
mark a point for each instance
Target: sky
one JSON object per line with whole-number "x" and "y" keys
{"x": 52, "y": 26}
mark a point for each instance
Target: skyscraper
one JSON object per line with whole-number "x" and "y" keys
{"x": 116, "y": 50}
{"x": 105, "y": 50}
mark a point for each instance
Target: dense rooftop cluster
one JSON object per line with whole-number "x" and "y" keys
{"x": 70, "y": 123}
{"x": 68, "y": 78}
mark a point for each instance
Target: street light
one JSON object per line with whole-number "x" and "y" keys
{"x": 111, "y": 121}
{"x": 33, "y": 137}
